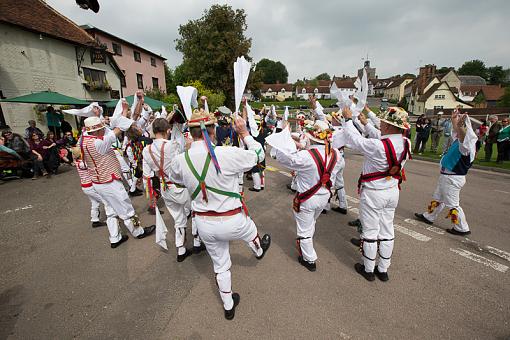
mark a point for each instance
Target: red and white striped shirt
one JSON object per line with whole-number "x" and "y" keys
{"x": 83, "y": 172}
{"x": 103, "y": 166}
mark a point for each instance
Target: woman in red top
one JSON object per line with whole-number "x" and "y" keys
{"x": 481, "y": 131}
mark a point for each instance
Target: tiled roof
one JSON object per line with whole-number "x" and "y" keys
{"x": 345, "y": 84}
{"x": 492, "y": 92}
{"x": 276, "y": 87}
{"x": 472, "y": 80}
{"x": 37, "y": 16}
{"x": 429, "y": 93}
{"x": 397, "y": 82}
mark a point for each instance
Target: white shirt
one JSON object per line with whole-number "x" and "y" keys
{"x": 172, "y": 149}
{"x": 233, "y": 161}
{"x": 307, "y": 174}
{"x": 375, "y": 157}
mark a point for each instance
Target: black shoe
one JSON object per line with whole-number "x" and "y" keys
{"x": 355, "y": 223}
{"x": 356, "y": 242}
{"x": 152, "y": 211}
{"x": 147, "y": 231}
{"x": 458, "y": 233}
{"x": 311, "y": 266}
{"x": 123, "y": 239}
{"x": 98, "y": 224}
{"x": 265, "y": 242}
{"x": 261, "y": 188}
{"x": 135, "y": 193}
{"x": 199, "y": 249}
{"x": 182, "y": 257}
{"x": 253, "y": 189}
{"x": 290, "y": 188}
{"x": 324, "y": 211}
{"x": 342, "y": 211}
{"x": 360, "y": 269}
{"x": 229, "y": 314}
{"x": 422, "y": 218}
{"x": 383, "y": 276}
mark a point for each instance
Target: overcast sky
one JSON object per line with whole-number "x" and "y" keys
{"x": 311, "y": 37}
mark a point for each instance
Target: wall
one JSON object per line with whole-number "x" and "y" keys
{"x": 111, "y": 76}
{"x": 131, "y": 67}
{"x": 449, "y": 102}
{"x": 452, "y": 79}
{"x": 45, "y": 64}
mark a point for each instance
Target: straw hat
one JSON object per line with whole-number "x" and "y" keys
{"x": 319, "y": 132}
{"x": 93, "y": 124}
{"x": 199, "y": 116}
{"x": 395, "y": 116}
{"x": 76, "y": 152}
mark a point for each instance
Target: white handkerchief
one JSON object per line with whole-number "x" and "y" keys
{"x": 282, "y": 141}
{"x": 254, "y": 129}
{"x": 161, "y": 230}
{"x": 286, "y": 114}
{"x": 241, "y": 73}
{"x": 339, "y": 139}
{"x": 188, "y": 96}
{"x": 85, "y": 112}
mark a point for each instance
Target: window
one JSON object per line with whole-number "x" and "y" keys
{"x": 117, "y": 49}
{"x": 137, "y": 56}
{"x": 123, "y": 79}
{"x": 282, "y": 91}
{"x": 316, "y": 91}
{"x": 438, "y": 107}
{"x": 153, "y": 61}
{"x": 139, "y": 80}
{"x": 439, "y": 96}
{"x": 303, "y": 90}
{"x": 155, "y": 83}
{"x": 94, "y": 76}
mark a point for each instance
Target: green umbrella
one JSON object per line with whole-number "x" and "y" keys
{"x": 153, "y": 103}
{"x": 46, "y": 97}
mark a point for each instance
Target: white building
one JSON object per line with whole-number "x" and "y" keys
{"x": 43, "y": 50}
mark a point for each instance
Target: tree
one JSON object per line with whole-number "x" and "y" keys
{"x": 210, "y": 46}
{"x": 505, "y": 99}
{"x": 272, "y": 71}
{"x": 323, "y": 76}
{"x": 214, "y": 99}
{"x": 169, "y": 78}
{"x": 409, "y": 75}
{"x": 496, "y": 75}
{"x": 444, "y": 69}
{"x": 474, "y": 68}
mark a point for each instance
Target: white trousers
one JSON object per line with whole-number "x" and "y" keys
{"x": 116, "y": 197}
{"x": 306, "y": 218}
{"x": 216, "y": 233}
{"x": 95, "y": 202}
{"x": 376, "y": 213}
{"x": 447, "y": 194}
{"x": 339, "y": 184}
{"x": 178, "y": 204}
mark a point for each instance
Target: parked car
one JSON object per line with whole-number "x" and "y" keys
{"x": 303, "y": 107}
{"x": 334, "y": 105}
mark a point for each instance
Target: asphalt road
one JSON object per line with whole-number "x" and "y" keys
{"x": 61, "y": 280}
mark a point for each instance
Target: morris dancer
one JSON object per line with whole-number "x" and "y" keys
{"x": 88, "y": 189}
{"x": 454, "y": 168}
{"x": 379, "y": 188}
{"x": 220, "y": 212}
{"x": 156, "y": 159}
{"x": 104, "y": 170}
{"x": 316, "y": 170}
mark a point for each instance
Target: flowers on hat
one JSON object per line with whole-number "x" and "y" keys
{"x": 318, "y": 131}
{"x": 395, "y": 116}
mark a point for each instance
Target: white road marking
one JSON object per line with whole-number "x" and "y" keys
{"x": 504, "y": 192}
{"x": 18, "y": 209}
{"x": 480, "y": 259}
{"x": 354, "y": 210}
{"x": 412, "y": 233}
{"x": 436, "y": 230}
{"x": 352, "y": 199}
{"x": 498, "y": 252}
{"x": 285, "y": 173}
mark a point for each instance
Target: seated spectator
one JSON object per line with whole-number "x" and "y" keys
{"x": 39, "y": 155}
{"x": 65, "y": 144}
{"x": 16, "y": 142}
{"x": 53, "y": 155}
{"x": 8, "y": 150}
{"x": 32, "y": 128}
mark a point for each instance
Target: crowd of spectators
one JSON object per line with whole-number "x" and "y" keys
{"x": 36, "y": 154}
{"x": 492, "y": 134}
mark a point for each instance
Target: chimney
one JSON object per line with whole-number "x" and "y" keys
{"x": 426, "y": 72}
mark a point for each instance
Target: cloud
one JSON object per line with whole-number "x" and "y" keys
{"x": 312, "y": 37}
